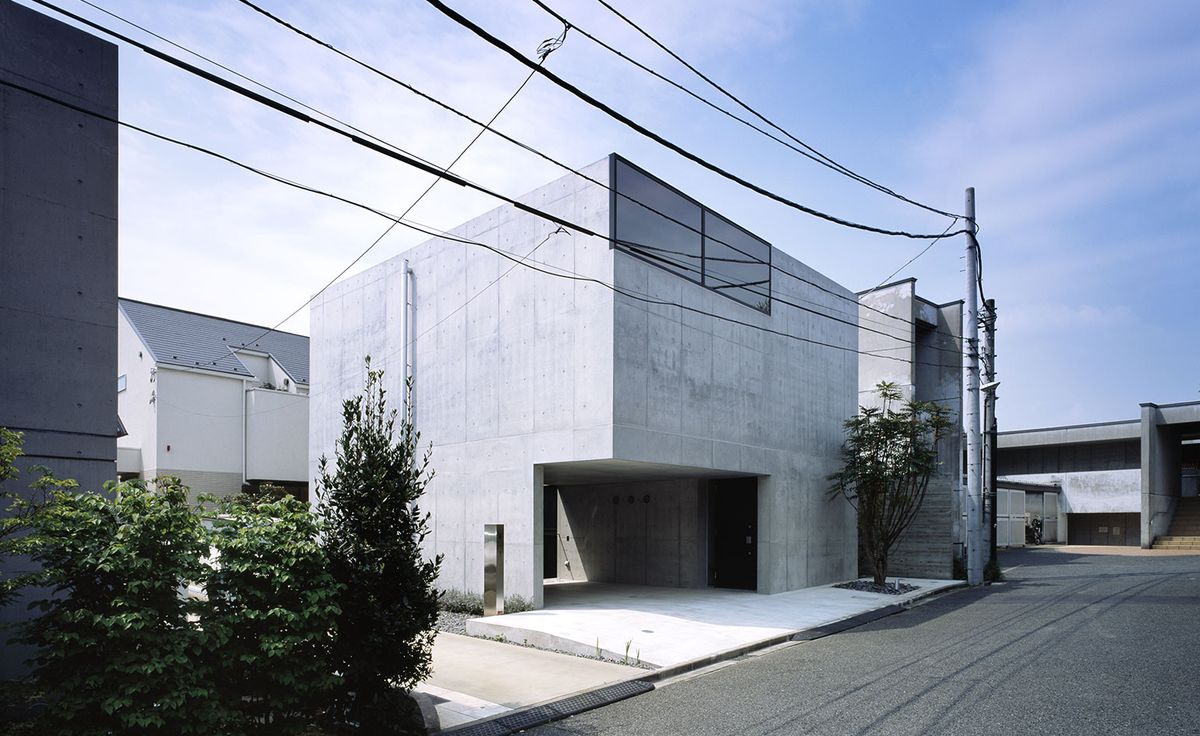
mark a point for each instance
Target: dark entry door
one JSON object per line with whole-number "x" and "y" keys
{"x": 733, "y": 529}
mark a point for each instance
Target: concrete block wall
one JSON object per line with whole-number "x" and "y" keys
{"x": 642, "y": 533}
{"x": 519, "y": 376}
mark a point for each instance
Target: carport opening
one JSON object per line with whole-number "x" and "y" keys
{"x": 691, "y": 532}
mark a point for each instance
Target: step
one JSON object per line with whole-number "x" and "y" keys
{"x": 1190, "y": 538}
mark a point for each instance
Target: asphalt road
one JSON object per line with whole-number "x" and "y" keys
{"x": 1069, "y": 644}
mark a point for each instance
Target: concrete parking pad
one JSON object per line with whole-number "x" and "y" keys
{"x": 670, "y": 626}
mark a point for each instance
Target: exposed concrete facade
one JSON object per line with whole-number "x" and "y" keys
{"x": 524, "y": 381}
{"x": 58, "y": 258}
{"x": 917, "y": 345}
{"x": 1129, "y": 467}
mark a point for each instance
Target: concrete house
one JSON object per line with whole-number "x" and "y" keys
{"x": 917, "y": 345}
{"x": 1130, "y": 483}
{"x": 660, "y": 406}
{"x": 58, "y": 262}
{"x": 212, "y": 401}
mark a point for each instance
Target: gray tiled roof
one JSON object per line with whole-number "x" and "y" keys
{"x": 191, "y": 340}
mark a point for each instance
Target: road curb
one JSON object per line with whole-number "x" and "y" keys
{"x": 540, "y": 714}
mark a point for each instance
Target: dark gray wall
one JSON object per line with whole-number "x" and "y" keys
{"x": 606, "y": 537}
{"x": 58, "y": 255}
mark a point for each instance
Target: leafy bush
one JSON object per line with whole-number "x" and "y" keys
{"x": 270, "y": 611}
{"x": 124, "y": 648}
{"x": 117, "y": 651}
{"x": 373, "y": 530}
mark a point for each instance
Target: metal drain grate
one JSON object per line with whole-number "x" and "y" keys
{"x": 558, "y": 710}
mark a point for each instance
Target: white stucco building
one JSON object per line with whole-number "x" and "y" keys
{"x": 671, "y": 422}
{"x": 213, "y": 401}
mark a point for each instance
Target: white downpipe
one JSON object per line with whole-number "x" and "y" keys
{"x": 245, "y": 428}
{"x": 405, "y": 336}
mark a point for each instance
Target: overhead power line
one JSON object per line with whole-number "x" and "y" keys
{"x": 398, "y": 155}
{"x": 646, "y": 132}
{"x": 535, "y": 151}
{"x": 795, "y": 144}
{"x": 544, "y": 50}
{"x": 523, "y": 261}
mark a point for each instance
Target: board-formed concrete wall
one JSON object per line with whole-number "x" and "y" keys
{"x": 705, "y": 392}
{"x": 518, "y": 377}
{"x": 916, "y": 345}
{"x": 515, "y": 370}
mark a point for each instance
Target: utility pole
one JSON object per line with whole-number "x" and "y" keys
{"x": 989, "y": 423}
{"x": 971, "y": 400}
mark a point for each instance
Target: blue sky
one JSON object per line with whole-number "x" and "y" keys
{"x": 1078, "y": 123}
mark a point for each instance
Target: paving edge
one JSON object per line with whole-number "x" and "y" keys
{"x": 539, "y": 714}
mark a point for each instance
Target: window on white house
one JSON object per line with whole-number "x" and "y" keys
{"x": 121, "y": 383}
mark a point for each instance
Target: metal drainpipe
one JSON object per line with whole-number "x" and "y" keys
{"x": 406, "y": 335}
{"x": 245, "y": 396}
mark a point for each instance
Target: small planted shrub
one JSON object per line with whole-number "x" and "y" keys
{"x": 458, "y": 601}
{"x": 372, "y": 532}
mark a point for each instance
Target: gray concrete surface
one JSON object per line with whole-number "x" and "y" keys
{"x": 670, "y": 626}
{"x": 521, "y": 379}
{"x": 917, "y": 345}
{"x": 1071, "y": 644}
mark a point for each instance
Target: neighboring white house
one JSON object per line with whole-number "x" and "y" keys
{"x": 671, "y": 422}
{"x": 213, "y": 401}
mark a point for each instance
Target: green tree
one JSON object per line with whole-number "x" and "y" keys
{"x": 372, "y": 531}
{"x": 271, "y": 612}
{"x": 889, "y": 455}
{"x": 118, "y": 646}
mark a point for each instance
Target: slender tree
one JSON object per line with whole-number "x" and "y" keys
{"x": 890, "y": 453}
{"x": 373, "y": 530}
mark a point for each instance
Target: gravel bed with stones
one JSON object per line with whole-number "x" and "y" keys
{"x": 456, "y": 623}
{"x": 867, "y": 586}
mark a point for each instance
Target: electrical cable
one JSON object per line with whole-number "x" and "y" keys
{"x": 910, "y": 261}
{"x": 646, "y": 132}
{"x": 799, "y": 146}
{"x": 544, "y": 51}
{"x": 524, "y": 146}
{"x": 404, "y": 156}
{"x": 522, "y": 261}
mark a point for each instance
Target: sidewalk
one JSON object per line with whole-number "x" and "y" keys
{"x": 671, "y": 628}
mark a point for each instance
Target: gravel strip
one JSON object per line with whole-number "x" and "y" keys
{"x": 867, "y": 586}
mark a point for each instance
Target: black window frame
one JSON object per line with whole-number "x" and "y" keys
{"x": 705, "y": 212}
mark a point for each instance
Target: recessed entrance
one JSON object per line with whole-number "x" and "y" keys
{"x": 634, "y": 524}
{"x": 733, "y": 533}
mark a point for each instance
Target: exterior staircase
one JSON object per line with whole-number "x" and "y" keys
{"x": 1185, "y": 527}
